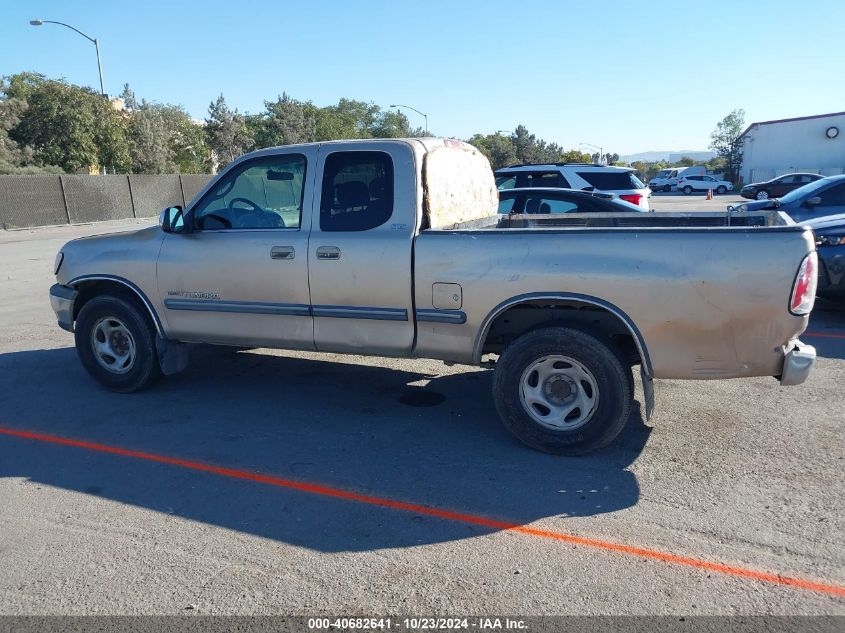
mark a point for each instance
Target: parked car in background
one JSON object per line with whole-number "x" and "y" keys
{"x": 777, "y": 187}
{"x": 830, "y": 245}
{"x": 621, "y": 181}
{"x": 688, "y": 184}
{"x": 545, "y": 200}
{"x": 667, "y": 179}
{"x": 817, "y": 199}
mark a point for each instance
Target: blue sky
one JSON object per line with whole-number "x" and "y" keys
{"x": 630, "y": 76}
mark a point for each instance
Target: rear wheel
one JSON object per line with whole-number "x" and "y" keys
{"x": 563, "y": 391}
{"x": 721, "y": 189}
{"x": 687, "y": 190}
{"x": 116, "y": 344}
{"x": 762, "y": 195}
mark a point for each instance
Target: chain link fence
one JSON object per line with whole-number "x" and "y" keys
{"x": 47, "y": 200}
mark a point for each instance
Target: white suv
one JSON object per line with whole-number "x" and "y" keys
{"x": 616, "y": 180}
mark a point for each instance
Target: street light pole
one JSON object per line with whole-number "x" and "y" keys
{"x": 422, "y": 114}
{"x": 87, "y": 37}
{"x": 601, "y": 151}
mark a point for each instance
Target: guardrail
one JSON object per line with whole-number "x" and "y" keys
{"x": 47, "y": 200}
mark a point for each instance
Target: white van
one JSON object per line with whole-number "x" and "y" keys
{"x": 667, "y": 179}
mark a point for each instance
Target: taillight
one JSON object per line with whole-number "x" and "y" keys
{"x": 804, "y": 288}
{"x": 633, "y": 198}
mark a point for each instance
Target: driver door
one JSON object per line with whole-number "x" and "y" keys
{"x": 240, "y": 276}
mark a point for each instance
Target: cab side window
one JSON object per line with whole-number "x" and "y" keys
{"x": 357, "y": 191}
{"x": 265, "y": 193}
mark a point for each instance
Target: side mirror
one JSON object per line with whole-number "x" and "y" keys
{"x": 813, "y": 202}
{"x": 172, "y": 220}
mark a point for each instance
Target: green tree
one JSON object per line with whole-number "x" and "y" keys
{"x": 284, "y": 122}
{"x": 128, "y": 96}
{"x": 228, "y": 136}
{"x": 12, "y": 156}
{"x": 65, "y": 125}
{"x": 575, "y": 156}
{"x": 391, "y": 124}
{"x": 498, "y": 149}
{"x": 348, "y": 119}
{"x": 164, "y": 139}
{"x": 685, "y": 161}
{"x": 726, "y": 141}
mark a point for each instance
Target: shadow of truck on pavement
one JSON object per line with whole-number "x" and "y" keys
{"x": 333, "y": 423}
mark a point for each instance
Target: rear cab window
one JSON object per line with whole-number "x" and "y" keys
{"x": 357, "y": 191}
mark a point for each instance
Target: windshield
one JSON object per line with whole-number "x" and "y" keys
{"x": 801, "y": 192}
{"x": 663, "y": 173}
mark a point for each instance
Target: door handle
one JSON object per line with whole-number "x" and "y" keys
{"x": 328, "y": 252}
{"x": 282, "y": 252}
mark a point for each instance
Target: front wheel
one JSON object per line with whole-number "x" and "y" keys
{"x": 116, "y": 344}
{"x": 667, "y": 188}
{"x": 762, "y": 195}
{"x": 561, "y": 390}
{"x": 721, "y": 189}
{"x": 687, "y": 190}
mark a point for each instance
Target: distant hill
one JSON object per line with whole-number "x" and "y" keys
{"x": 669, "y": 155}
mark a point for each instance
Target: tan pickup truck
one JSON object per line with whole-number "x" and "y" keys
{"x": 395, "y": 248}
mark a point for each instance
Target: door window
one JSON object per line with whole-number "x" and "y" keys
{"x": 833, "y": 197}
{"x": 506, "y": 204}
{"x": 357, "y": 193}
{"x": 265, "y": 193}
{"x": 546, "y": 204}
{"x": 505, "y": 182}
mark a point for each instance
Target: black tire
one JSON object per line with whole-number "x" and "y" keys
{"x": 687, "y": 190}
{"x": 721, "y": 189}
{"x": 762, "y": 195}
{"x": 614, "y": 386}
{"x": 143, "y": 370}
{"x": 667, "y": 188}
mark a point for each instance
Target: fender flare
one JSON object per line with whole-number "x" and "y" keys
{"x": 639, "y": 341}
{"x": 135, "y": 289}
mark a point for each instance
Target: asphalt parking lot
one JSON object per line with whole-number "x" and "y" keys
{"x": 696, "y": 201}
{"x": 297, "y": 483}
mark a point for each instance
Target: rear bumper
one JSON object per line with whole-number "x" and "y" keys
{"x": 797, "y": 362}
{"x": 61, "y": 300}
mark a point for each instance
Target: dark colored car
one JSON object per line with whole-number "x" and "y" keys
{"x": 817, "y": 199}
{"x": 548, "y": 200}
{"x": 830, "y": 245}
{"x": 777, "y": 187}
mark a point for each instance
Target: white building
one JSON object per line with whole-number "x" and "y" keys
{"x": 814, "y": 144}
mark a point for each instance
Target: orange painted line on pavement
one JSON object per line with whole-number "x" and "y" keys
{"x": 824, "y": 334}
{"x": 337, "y": 493}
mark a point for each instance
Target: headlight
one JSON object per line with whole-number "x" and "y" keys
{"x": 60, "y": 257}
{"x": 830, "y": 240}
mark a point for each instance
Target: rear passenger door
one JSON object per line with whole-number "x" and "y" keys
{"x": 360, "y": 249}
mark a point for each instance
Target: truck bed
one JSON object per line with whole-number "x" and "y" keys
{"x": 660, "y": 220}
